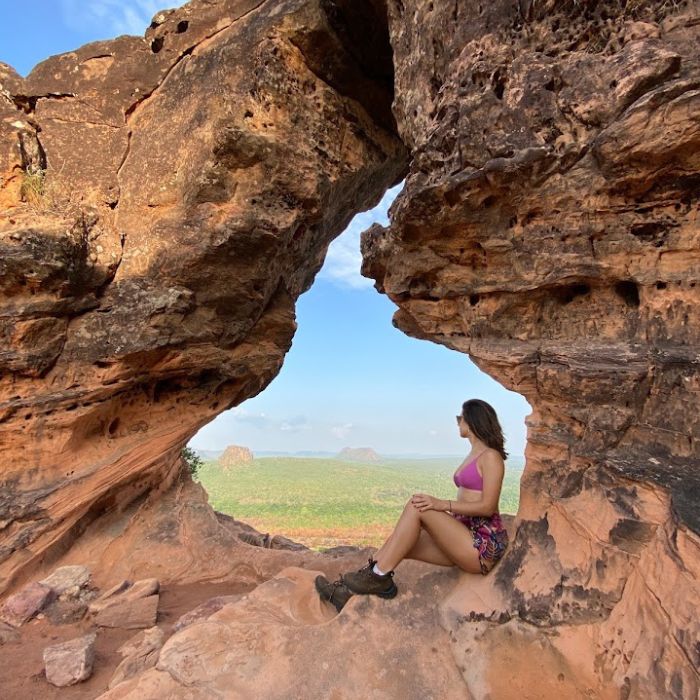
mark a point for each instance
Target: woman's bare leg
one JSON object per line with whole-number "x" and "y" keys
{"x": 448, "y": 541}
{"x": 452, "y": 538}
{"x": 426, "y": 550}
{"x": 402, "y": 540}
{"x": 382, "y": 549}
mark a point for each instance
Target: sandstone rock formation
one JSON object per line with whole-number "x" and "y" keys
{"x": 234, "y": 455}
{"x": 167, "y": 199}
{"x": 139, "y": 653}
{"x": 549, "y": 227}
{"x": 180, "y": 192}
{"x": 374, "y": 648}
{"x": 359, "y": 454}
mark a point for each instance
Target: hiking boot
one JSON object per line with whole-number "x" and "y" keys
{"x": 366, "y": 581}
{"x": 336, "y": 593}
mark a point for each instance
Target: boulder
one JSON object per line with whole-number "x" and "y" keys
{"x": 70, "y": 662}
{"x": 67, "y": 579}
{"x": 26, "y": 603}
{"x": 129, "y": 614}
{"x": 125, "y": 591}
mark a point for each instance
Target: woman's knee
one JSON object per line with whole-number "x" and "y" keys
{"x": 410, "y": 510}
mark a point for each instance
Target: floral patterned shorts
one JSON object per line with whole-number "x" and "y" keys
{"x": 490, "y": 538}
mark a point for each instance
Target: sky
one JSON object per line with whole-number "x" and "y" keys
{"x": 350, "y": 379}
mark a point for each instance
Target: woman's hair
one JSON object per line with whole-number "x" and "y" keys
{"x": 483, "y": 422}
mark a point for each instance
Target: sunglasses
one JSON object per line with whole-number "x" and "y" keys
{"x": 459, "y": 417}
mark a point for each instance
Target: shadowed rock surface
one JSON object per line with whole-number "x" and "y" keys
{"x": 167, "y": 199}
{"x": 549, "y": 228}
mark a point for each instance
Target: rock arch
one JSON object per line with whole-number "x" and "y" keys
{"x": 189, "y": 184}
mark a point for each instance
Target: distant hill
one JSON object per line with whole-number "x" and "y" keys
{"x": 359, "y": 454}
{"x": 234, "y": 455}
{"x": 298, "y": 453}
{"x": 516, "y": 462}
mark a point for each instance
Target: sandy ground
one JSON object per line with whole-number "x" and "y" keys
{"x": 21, "y": 663}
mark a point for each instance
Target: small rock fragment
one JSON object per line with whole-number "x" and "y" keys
{"x": 130, "y": 614}
{"x": 65, "y": 611}
{"x": 67, "y": 579}
{"x": 26, "y": 603}
{"x": 70, "y": 662}
{"x": 8, "y": 634}
{"x": 125, "y": 590}
{"x": 282, "y": 542}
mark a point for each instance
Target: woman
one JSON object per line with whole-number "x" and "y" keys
{"x": 433, "y": 529}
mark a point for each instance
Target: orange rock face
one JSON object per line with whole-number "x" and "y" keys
{"x": 179, "y": 192}
{"x": 549, "y": 228}
{"x": 165, "y": 201}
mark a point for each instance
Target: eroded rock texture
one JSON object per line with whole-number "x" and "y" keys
{"x": 549, "y": 227}
{"x": 165, "y": 201}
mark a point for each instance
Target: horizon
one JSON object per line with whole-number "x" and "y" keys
{"x": 309, "y": 452}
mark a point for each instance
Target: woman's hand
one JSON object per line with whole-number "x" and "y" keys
{"x": 423, "y": 501}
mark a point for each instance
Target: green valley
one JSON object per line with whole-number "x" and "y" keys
{"x": 328, "y": 502}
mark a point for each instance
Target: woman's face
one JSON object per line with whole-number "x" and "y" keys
{"x": 463, "y": 427}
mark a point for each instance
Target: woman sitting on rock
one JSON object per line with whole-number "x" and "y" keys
{"x": 432, "y": 529}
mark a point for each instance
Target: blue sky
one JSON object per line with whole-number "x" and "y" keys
{"x": 351, "y": 378}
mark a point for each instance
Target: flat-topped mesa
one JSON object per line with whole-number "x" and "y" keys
{"x": 549, "y": 227}
{"x": 165, "y": 201}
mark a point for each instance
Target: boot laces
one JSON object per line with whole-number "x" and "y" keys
{"x": 369, "y": 566}
{"x": 336, "y": 584}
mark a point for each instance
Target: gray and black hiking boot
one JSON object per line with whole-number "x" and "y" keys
{"x": 366, "y": 581}
{"x": 336, "y": 593}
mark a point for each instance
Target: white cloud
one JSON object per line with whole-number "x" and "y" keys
{"x": 259, "y": 420}
{"x": 341, "y": 431}
{"x": 114, "y": 17}
{"x": 343, "y": 260}
{"x": 262, "y": 421}
{"x": 295, "y": 425}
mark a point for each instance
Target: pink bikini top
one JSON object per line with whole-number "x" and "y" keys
{"x": 469, "y": 477}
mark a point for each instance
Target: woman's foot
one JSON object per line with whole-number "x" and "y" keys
{"x": 335, "y": 593}
{"x": 367, "y": 582}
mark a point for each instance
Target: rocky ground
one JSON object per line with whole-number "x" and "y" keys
{"x": 140, "y": 639}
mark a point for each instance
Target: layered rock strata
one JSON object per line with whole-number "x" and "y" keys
{"x": 549, "y": 228}
{"x": 165, "y": 201}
